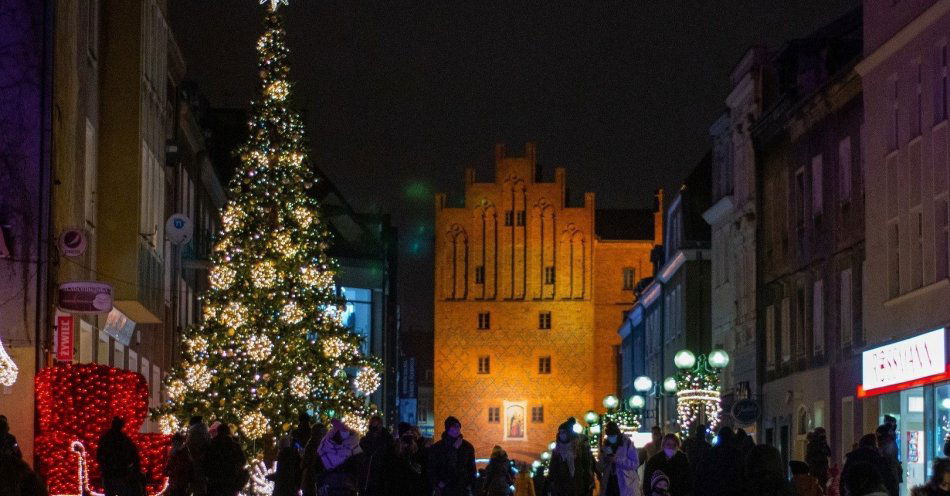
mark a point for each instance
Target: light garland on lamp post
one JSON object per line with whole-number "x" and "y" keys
{"x": 698, "y": 398}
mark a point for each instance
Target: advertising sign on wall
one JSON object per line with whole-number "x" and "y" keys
{"x": 906, "y": 363}
{"x": 85, "y": 297}
{"x": 64, "y": 337}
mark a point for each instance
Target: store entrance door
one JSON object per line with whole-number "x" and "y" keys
{"x": 908, "y": 408}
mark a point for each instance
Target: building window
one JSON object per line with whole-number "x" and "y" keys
{"x": 549, "y": 275}
{"x": 844, "y": 301}
{"x": 801, "y": 344}
{"x": 942, "y": 248}
{"x": 844, "y": 169}
{"x": 786, "y": 329}
{"x": 940, "y": 85}
{"x": 494, "y": 415}
{"x": 484, "y": 320}
{"x": 629, "y": 278}
{"x": 893, "y": 260}
{"x": 818, "y": 317}
{"x": 484, "y": 364}
{"x": 544, "y": 320}
{"x": 89, "y": 175}
{"x": 537, "y": 414}
{"x": 509, "y": 217}
{"x": 92, "y": 29}
{"x": 894, "y": 135}
{"x": 917, "y": 259}
{"x": 770, "y": 337}
{"x": 817, "y": 202}
{"x": 917, "y": 118}
{"x": 544, "y": 365}
{"x": 800, "y": 205}
{"x": 522, "y": 217}
{"x": 480, "y": 274}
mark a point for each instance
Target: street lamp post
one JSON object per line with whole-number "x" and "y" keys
{"x": 697, "y": 387}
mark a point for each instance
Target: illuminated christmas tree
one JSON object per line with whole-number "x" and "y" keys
{"x": 272, "y": 343}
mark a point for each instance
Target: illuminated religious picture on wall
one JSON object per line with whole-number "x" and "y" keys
{"x": 515, "y": 421}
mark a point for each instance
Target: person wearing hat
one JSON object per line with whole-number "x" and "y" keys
{"x": 398, "y": 468}
{"x": 452, "y": 462}
{"x": 618, "y": 464}
{"x": 659, "y": 484}
{"x": 674, "y": 464}
{"x": 571, "y": 472}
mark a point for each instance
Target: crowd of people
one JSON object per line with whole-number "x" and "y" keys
{"x": 334, "y": 460}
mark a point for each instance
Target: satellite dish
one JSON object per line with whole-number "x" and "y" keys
{"x": 178, "y": 229}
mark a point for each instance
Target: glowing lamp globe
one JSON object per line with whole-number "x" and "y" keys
{"x": 546, "y": 455}
{"x": 669, "y": 385}
{"x": 945, "y": 403}
{"x": 578, "y": 429}
{"x": 643, "y": 384}
{"x": 636, "y": 402}
{"x": 595, "y": 429}
{"x": 684, "y": 359}
{"x": 718, "y": 359}
{"x": 591, "y": 417}
{"x": 552, "y": 445}
{"x": 611, "y": 402}
{"x": 535, "y": 464}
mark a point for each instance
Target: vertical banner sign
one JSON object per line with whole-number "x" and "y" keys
{"x": 64, "y": 338}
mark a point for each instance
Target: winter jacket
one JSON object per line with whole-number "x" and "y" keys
{"x": 722, "y": 473}
{"x": 180, "y": 471}
{"x": 622, "y": 464}
{"x": 117, "y": 456}
{"x": 399, "y": 474}
{"x": 871, "y": 456}
{"x": 498, "y": 477}
{"x": 817, "y": 453}
{"x": 451, "y": 469}
{"x": 807, "y": 485}
{"x": 676, "y": 468}
{"x": 560, "y": 480}
{"x": 287, "y": 476}
{"x": 224, "y": 463}
{"x": 9, "y": 446}
{"x": 768, "y": 485}
{"x": 342, "y": 462}
{"x": 929, "y": 490}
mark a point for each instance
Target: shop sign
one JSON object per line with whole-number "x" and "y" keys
{"x": 85, "y": 297}
{"x": 72, "y": 242}
{"x": 64, "y": 337}
{"x": 119, "y": 326}
{"x": 746, "y": 411}
{"x": 907, "y": 363}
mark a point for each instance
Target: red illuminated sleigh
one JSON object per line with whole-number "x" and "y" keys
{"x": 76, "y": 404}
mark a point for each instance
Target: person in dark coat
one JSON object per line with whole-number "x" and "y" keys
{"x": 887, "y": 447}
{"x": 939, "y": 483}
{"x": 862, "y": 479}
{"x": 765, "y": 473}
{"x": 179, "y": 469}
{"x": 817, "y": 454}
{"x": 805, "y": 483}
{"x": 224, "y": 464}
{"x": 571, "y": 471}
{"x": 867, "y": 452}
{"x": 402, "y": 467}
{"x": 197, "y": 439}
{"x": 674, "y": 464}
{"x": 452, "y": 462}
{"x": 119, "y": 462}
{"x": 8, "y": 444}
{"x": 311, "y": 464}
{"x": 697, "y": 451}
{"x": 377, "y": 437}
{"x": 498, "y": 476}
{"x": 723, "y": 472}
{"x": 17, "y": 479}
{"x": 287, "y": 475}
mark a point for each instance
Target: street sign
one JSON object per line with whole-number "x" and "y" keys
{"x": 179, "y": 229}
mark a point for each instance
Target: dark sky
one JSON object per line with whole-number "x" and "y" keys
{"x": 402, "y": 95}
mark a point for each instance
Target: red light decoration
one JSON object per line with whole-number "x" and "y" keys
{"x": 76, "y": 404}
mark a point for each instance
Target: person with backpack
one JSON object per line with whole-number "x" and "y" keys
{"x": 498, "y": 476}
{"x": 225, "y": 464}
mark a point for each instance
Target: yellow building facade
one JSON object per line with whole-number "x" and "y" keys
{"x": 529, "y": 293}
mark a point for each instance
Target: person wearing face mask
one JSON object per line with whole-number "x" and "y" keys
{"x": 571, "y": 472}
{"x": 672, "y": 462}
{"x": 399, "y": 467}
{"x": 618, "y": 464}
{"x": 340, "y": 454}
{"x": 452, "y": 462}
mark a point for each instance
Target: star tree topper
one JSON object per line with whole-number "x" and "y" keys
{"x": 274, "y": 3}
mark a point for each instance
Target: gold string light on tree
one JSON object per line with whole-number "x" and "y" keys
{"x": 272, "y": 343}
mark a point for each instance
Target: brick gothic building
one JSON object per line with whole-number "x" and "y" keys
{"x": 529, "y": 292}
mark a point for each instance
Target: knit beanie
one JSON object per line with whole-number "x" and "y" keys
{"x": 657, "y": 477}
{"x": 450, "y": 421}
{"x": 568, "y": 426}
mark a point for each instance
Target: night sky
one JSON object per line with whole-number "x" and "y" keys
{"x": 402, "y": 95}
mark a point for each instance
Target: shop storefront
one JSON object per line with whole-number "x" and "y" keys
{"x": 909, "y": 380}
